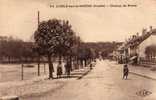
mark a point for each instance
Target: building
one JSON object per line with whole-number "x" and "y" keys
{"x": 120, "y": 54}
{"x": 136, "y": 46}
{"x": 149, "y": 39}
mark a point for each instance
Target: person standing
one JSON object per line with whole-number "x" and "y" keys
{"x": 125, "y": 71}
{"x": 59, "y": 70}
{"x": 69, "y": 69}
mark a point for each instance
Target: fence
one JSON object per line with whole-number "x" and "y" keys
{"x": 147, "y": 61}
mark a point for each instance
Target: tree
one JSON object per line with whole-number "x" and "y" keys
{"x": 85, "y": 54}
{"x": 66, "y": 40}
{"x": 54, "y": 37}
{"x": 150, "y": 51}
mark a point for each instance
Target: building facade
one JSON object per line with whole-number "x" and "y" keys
{"x": 136, "y": 46}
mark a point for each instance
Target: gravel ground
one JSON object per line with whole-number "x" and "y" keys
{"x": 32, "y": 85}
{"x": 12, "y": 72}
{"x": 33, "y": 88}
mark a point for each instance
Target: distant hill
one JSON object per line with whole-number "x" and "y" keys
{"x": 102, "y": 47}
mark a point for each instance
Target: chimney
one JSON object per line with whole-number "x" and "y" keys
{"x": 133, "y": 36}
{"x": 137, "y": 34}
{"x": 144, "y": 31}
{"x": 151, "y": 28}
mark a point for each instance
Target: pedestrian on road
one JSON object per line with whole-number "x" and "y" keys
{"x": 125, "y": 71}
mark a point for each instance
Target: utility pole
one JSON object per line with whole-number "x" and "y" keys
{"x": 38, "y": 19}
{"x": 22, "y": 72}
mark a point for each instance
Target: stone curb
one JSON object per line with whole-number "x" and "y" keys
{"x": 84, "y": 74}
{"x": 143, "y": 75}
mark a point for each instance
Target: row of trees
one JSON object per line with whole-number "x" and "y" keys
{"x": 13, "y": 50}
{"x": 52, "y": 39}
{"x": 105, "y": 48}
{"x": 56, "y": 38}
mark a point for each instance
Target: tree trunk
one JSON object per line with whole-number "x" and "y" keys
{"x": 85, "y": 61}
{"x": 60, "y": 57}
{"x": 77, "y": 62}
{"x": 38, "y": 65}
{"x": 50, "y": 67}
{"x": 44, "y": 68}
{"x": 81, "y": 61}
{"x": 70, "y": 59}
{"x": 9, "y": 58}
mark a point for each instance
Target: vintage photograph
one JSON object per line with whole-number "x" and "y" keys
{"x": 77, "y": 49}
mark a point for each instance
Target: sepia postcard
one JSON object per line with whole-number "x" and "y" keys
{"x": 77, "y": 49}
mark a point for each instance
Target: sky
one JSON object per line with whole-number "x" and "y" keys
{"x": 18, "y": 18}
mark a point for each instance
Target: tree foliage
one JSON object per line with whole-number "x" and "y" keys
{"x": 54, "y": 36}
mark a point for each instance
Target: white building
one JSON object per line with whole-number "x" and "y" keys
{"x": 136, "y": 46}
{"x": 148, "y": 40}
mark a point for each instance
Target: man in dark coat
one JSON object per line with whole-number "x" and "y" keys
{"x": 125, "y": 71}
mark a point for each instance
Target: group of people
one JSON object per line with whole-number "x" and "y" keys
{"x": 67, "y": 69}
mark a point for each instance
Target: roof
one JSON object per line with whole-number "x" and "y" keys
{"x": 139, "y": 39}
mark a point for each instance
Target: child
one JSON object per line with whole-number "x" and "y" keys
{"x": 125, "y": 71}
